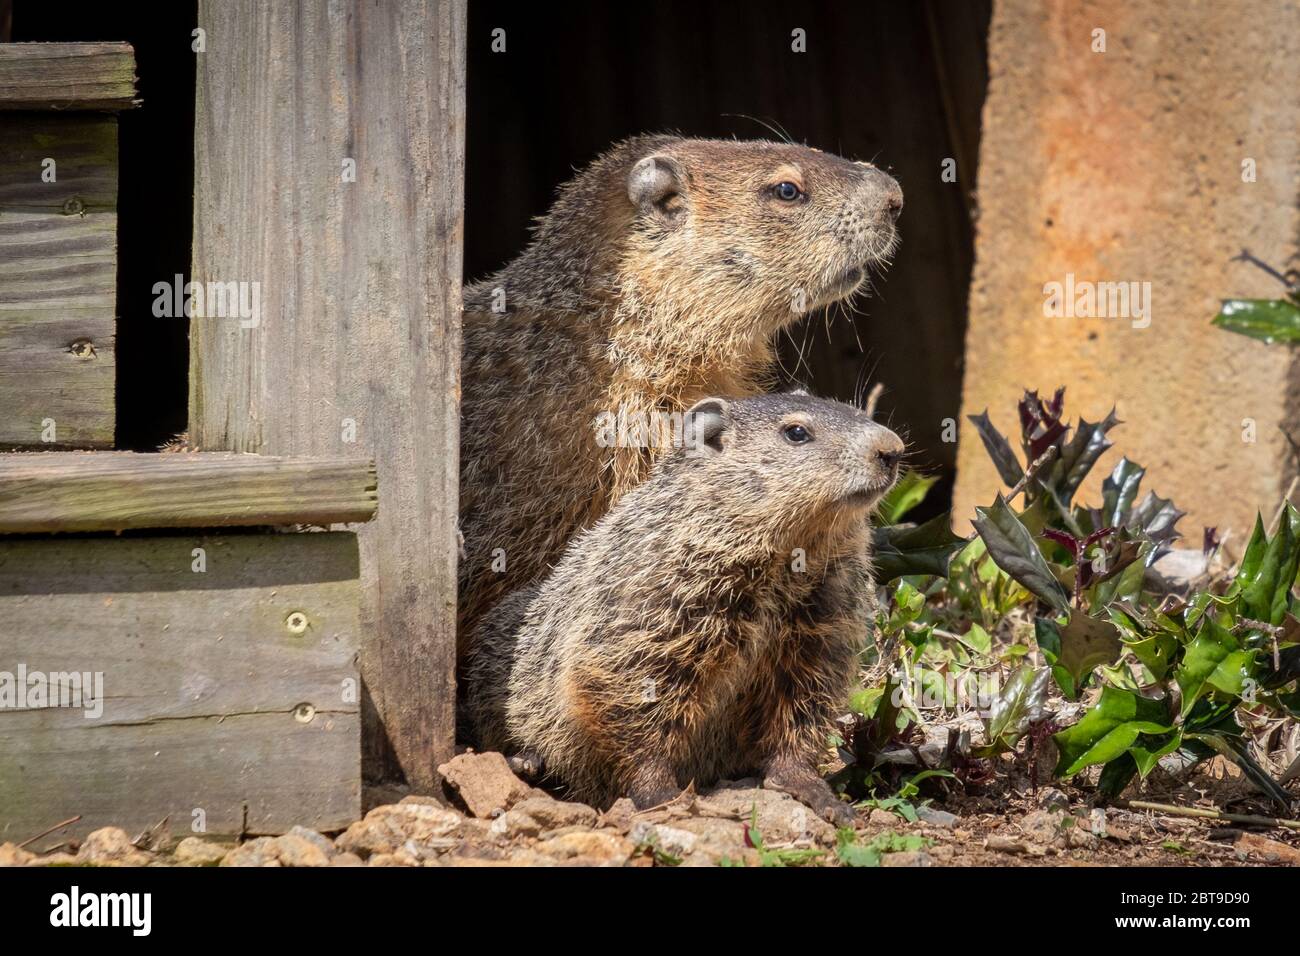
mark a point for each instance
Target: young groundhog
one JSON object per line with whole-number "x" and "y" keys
{"x": 707, "y": 627}
{"x": 661, "y": 275}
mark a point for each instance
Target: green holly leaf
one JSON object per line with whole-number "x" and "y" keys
{"x": 902, "y": 550}
{"x": 1268, "y": 570}
{"x": 908, "y": 492}
{"x": 1213, "y": 660}
{"x": 1014, "y": 550}
{"x": 1116, "y": 775}
{"x": 1154, "y": 650}
{"x": 999, "y": 449}
{"x": 1079, "y": 454}
{"x": 1082, "y": 644}
{"x": 1109, "y": 729}
{"x": 1148, "y": 750}
{"x": 1021, "y": 701}
{"x": 1268, "y": 320}
{"x": 1119, "y": 491}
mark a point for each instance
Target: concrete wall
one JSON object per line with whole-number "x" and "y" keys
{"x": 1127, "y": 166}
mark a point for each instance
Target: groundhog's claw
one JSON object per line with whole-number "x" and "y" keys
{"x": 527, "y": 766}
{"x": 839, "y": 813}
{"x": 811, "y": 790}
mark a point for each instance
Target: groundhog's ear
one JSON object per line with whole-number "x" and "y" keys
{"x": 656, "y": 185}
{"x": 703, "y": 425}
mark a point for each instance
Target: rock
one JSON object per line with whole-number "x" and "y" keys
{"x": 258, "y": 852}
{"x": 293, "y": 849}
{"x": 13, "y": 855}
{"x": 513, "y": 825}
{"x": 297, "y": 851}
{"x": 741, "y": 856}
{"x": 936, "y": 818}
{"x": 320, "y": 840}
{"x": 1270, "y": 851}
{"x": 387, "y": 828}
{"x": 881, "y": 818}
{"x": 421, "y": 799}
{"x": 619, "y": 816}
{"x": 943, "y": 853}
{"x": 672, "y": 841}
{"x": 1096, "y": 823}
{"x": 484, "y": 782}
{"x": 193, "y": 851}
{"x": 1041, "y": 826}
{"x": 110, "y": 846}
{"x": 552, "y": 814}
{"x": 907, "y": 858}
{"x": 56, "y": 859}
{"x": 589, "y": 848}
{"x": 393, "y": 859}
{"x": 781, "y": 818}
{"x": 1081, "y": 838}
{"x": 1178, "y": 569}
{"x": 1049, "y": 798}
{"x": 1005, "y": 844}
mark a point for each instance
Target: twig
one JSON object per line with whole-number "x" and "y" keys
{"x": 56, "y": 826}
{"x": 1208, "y": 814}
{"x": 873, "y": 397}
{"x": 1274, "y": 630}
{"x": 1032, "y": 471}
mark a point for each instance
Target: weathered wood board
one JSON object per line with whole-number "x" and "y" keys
{"x": 341, "y": 125}
{"x": 229, "y": 695}
{"x": 58, "y": 279}
{"x": 118, "y": 490}
{"x": 67, "y": 76}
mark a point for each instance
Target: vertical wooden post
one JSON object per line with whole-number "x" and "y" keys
{"x": 329, "y": 164}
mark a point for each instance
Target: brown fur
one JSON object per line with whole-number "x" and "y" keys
{"x": 651, "y": 306}
{"x": 676, "y": 640}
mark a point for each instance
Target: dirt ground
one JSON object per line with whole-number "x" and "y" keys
{"x": 491, "y": 818}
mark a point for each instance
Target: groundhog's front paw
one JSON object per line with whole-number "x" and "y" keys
{"x": 653, "y": 796}
{"x": 809, "y": 789}
{"x": 528, "y": 766}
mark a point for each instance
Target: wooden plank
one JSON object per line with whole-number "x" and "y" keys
{"x": 84, "y": 151}
{"x": 58, "y": 280}
{"x": 360, "y": 293}
{"x": 230, "y": 690}
{"x": 67, "y": 76}
{"x": 114, "y": 491}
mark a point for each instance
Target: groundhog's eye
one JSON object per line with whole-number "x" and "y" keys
{"x": 787, "y": 191}
{"x": 797, "y": 434}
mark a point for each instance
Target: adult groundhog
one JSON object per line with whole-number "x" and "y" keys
{"x": 709, "y": 625}
{"x": 661, "y": 275}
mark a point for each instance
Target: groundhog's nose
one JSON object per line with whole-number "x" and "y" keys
{"x": 887, "y": 195}
{"x": 894, "y": 204}
{"x": 889, "y": 450}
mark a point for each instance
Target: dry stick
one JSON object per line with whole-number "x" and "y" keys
{"x": 1249, "y": 622}
{"x": 1031, "y": 472}
{"x": 56, "y": 826}
{"x": 1174, "y": 811}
